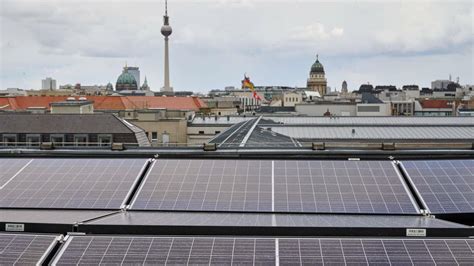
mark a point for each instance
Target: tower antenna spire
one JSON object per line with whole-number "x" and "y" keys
{"x": 166, "y": 30}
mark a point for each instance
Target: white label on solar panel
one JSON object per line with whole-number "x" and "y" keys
{"x": 15, "y": 227}
{"x": 416, "y": 232}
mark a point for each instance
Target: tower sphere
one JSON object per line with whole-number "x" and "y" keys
{"x": 166, "y": 30}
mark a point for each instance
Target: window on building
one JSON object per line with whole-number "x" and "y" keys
{"x": 201, "y": 132}
{"x": 57, "y": 140}
{"x": 154, "y": 136}
{"x": 218, "y": 132}
{"x": 33, "y": 140}
{"x": 80, "y": 140}
{"x": 105, "y": 140}
{"x": 9, "y": 140}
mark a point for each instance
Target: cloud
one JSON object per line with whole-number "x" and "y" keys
{"x": 315, "y": 32}
{"x": 215, "y": 41}
{"x": 427, "y": 27}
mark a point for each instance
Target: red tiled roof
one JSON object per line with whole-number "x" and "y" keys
{"x": 435, "y": 104}
{"x": 113, "y": 103}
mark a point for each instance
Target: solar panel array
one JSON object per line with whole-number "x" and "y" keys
{"x": 210, "y": 185}
{"x": 247, "y": 196}
{"x": 340, "y": 187}
{"x": 167, "y": 250}
{"x": 10, "y": 167}
{"x": 445, "y": 186}
{"x": 299, "y": 186}
{"x": 332, "y": 251}
{"x": 72, "y": 183}
{"x": 20, "y": 249}
{"x": 287, "y": 251}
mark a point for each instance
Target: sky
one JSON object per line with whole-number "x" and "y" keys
{"x": 214, "y": 42}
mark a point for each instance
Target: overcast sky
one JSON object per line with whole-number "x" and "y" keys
{"x": 214, "y": 42}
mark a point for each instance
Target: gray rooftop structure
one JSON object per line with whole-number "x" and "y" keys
{"x": 292, "y": 131}
{"x": 385, "y": 133}
{"x": 340, "y": 120}
{"x": 22, "y": 124}
{"x": 250, "y": 134}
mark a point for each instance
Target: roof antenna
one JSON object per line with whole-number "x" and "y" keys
{"x": 166, "y": 7}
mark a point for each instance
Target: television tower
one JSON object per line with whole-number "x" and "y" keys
{"x": 166, "y": 31}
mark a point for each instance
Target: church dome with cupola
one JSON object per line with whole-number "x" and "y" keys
{"x": 317, "y": 78}
{"x": 126, "y": 81}
{"x": 317, "y": 67}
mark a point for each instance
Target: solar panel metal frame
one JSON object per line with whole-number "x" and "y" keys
{"x": 419, "y": 193}
{"x": 123, "y": 203}
{"x": 47, "y": 251}
{"x": 269, "y": 224}
{"x": 49, "y": 221}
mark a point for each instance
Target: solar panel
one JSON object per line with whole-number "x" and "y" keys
{"x": 340, "y": 187}
{"x": 365, "y": 251}
{"x": 21, "y": 249}
{"x": 445, "y": 186}
{"x": 72, "y": 183}
{"x": 94, "y": 250}
{"x": 211, "y": 185}
{"x": 9, "y": 168}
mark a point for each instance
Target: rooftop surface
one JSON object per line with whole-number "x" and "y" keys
{"x": 106, "y": 103}
{"x": 63, "y": 123}
{"x": 138, "y": 211}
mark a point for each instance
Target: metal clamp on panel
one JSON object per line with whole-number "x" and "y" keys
{"x": 46, "y": 146}
{"x": 318, "y": 146}
{"x": 388, "y": 146}
{"x": 209, "y": 147}
{"x": 118, "y": 147}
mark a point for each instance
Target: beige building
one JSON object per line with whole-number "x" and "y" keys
{"x": 223, "y": 106}
{"x": 73, "y": 106}
{"x": 162, "y": 127}
{"x": 290, "y": 99}
{"x": 317, "y": 79}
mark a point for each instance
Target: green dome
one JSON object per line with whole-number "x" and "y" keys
{"x": 317, "y": 67}
{"x": 126, "y": 79}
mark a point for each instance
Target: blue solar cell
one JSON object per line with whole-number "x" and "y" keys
{"x": 445, "y": 186}
{"x": 22, "y": 249}
{"x": 340, "y": 187}
{"x": 213, "y": 185}
{"x": 72, "y": 183}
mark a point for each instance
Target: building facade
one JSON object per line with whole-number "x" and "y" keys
{"x": 31, "y": 130}
{"x": 48, "y": 84}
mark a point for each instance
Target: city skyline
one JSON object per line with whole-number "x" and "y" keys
{"x": 215, "y": 42}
